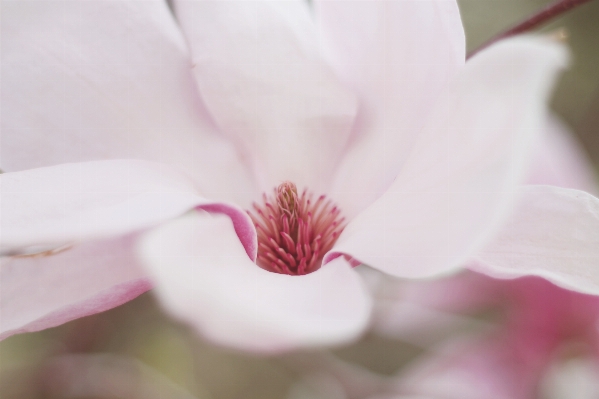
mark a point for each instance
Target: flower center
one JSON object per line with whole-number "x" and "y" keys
{"x": 295, "y": 232}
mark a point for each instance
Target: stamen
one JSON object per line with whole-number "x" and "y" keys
{"x": 294, "y": 232}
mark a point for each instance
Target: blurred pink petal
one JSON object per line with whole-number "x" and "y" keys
{"x": 553, "y": 233}
{"x": 38, "y": 292}
{"x": 81, "y": 201}
{"x": 399, "y": 57}
{"x": 460, "y": 178}
{"x": 424, "y": 312}
{"x": 258, "y": 67}
{"x": 207, "y": 280}
{"x": 95, "y": 80}
{"x": 474, "y": 369}
{"x": 539, "y": 322}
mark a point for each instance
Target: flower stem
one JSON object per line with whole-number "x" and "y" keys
{"x": 546, "y": 14}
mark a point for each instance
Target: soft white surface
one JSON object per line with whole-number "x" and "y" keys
{"x": 458, "y": 183}
{"x": 39, "y": 292}
{"x": 553, "y": 233}
{"x": 399, "y": 57}
{"x": 205, "y": 277}
{"x": 258, "y": 68}
{"x": 81, "y": 201}
{"x": 92, "y": 80}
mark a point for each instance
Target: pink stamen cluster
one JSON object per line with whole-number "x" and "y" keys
{"x": 295, "y": 232}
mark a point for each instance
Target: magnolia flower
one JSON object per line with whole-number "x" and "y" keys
{"x": 120, "y": 117}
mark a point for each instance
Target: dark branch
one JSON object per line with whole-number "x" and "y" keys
{"x": 541, "y": 17}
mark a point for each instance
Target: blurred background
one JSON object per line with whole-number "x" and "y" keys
{"x": 577, "y": 97}
{"x": 136, "y": 351}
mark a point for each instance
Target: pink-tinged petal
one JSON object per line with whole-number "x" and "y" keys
{"x": 259, "y": 70}
{"x": 420, "y": 325}
{"x": 474, "y": 368}
{"x": 242, "y": 224}
{"x": 459, "y": 182}
{"x": 561, "y": 161}
{"x": 552, "y": 233}
{"x": 421, "y": 312}
{"x": 81, "y": 201}
{"x": 205, "y": 278}
{"x": 399, "y": 56}
{"x": 93, "y": 80}
{"x": 38, "y": 292}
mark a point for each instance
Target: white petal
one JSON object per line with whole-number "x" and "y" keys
{"x": 205, "y": 278}
{"x": 259, "y": 70}
{"x": 44, "y": 291}
{"x": 458, "y": 184}
{"x": 552, "y": 233}
{"x": 399, "y": 56}
{"x": 81, "y": 201}
{"x": 93, "y": 80}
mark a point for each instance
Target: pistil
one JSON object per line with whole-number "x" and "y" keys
{"x": 295, "y": 231}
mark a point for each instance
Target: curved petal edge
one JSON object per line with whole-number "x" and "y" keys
{"x": 39, "y": 292}
{"x": 89, "y": 200}
{"x": 552, "y": 233}
{"x": 460, "y": 179}
{"x": 205, "y": 278}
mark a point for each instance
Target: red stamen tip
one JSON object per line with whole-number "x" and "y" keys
{"x": 295, "y": 232}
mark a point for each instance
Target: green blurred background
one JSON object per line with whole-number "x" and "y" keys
{"x": 151, "y": 347}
